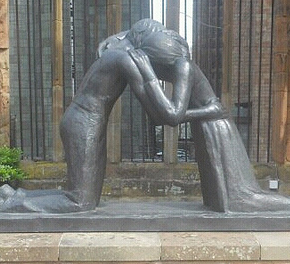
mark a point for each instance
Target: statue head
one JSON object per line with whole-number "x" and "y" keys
{"x": 161, "y": 45}
{"x": 165, "y": 46}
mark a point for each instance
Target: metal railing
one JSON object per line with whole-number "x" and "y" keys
{"x": 201, "y": 23}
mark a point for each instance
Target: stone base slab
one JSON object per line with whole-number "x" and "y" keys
{"x": 145, "y": 216}
{"x": 149, "y": 247}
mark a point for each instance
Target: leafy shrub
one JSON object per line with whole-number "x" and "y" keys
{"x": 9, "y": 165}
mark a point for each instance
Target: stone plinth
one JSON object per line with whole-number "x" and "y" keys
{"x": 159, "y": 216}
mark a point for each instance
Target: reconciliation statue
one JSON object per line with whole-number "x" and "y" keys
{"x": 140, "y": 57}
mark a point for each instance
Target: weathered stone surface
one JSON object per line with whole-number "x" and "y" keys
{"x": 284, "y": 173}
{"x": 44, "y": 170}
{"x": 274, "y": 246}
{"x": 4, "y": 96}
{"x": 110, "y": 247}
{"x": 174, "y": 262}
{"x": 209, "y": 246}
{"x": 4, "y": 38}
{"x": 29, "y": 247}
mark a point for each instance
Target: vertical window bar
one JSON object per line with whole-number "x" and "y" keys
{"x": 185, "y": 36}
{"x": 86, "y": 35}
{"x": 30, "y": 82}
{"x": 152, "y": 140}
{"x": 35, "y": 76}
{"x": 270, "y": 82}
{"x": 131, "y": 99}
{"x": 19, "y": 72}
{"x": 86, "y": 21}
{"x": 143, "y": 118}
{"x": 195, "y": 31}
{"x": 185, "y": 19}
{"x": 13, "y": 131}
{"x": 151, "y": 9}
{"x": 73, "y": 46}
{"x": 141, "y": 11}
{"x": 162, "y": 131}
{"x": 260, "y": 80}
{"x": 41, "y": 80}
{"x": 218, "y": 47}
{"x": 250, "y": 76}
{"x": 240, "y": 64}
{"x": 163, "y": 11}
{"x": 201, "y": 35}
{"x": 208, "y": 36}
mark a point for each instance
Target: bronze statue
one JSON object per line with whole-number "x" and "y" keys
{"x": 140, "y": 57}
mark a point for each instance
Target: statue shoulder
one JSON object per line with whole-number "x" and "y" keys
{"x": 184, "y": 66}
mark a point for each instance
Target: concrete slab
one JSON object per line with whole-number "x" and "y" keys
{"x": 274, "y": 246}
{"x": 209, "y": 246}
{"x": 145, "y": 216}
{"x": 110, "y": 247}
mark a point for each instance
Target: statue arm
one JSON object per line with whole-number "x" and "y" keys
{"x": 171, "y": 112}
{"x": 204, "y": 103}
{"x": 212, "y": 110}
{"x": 136, "y": 83}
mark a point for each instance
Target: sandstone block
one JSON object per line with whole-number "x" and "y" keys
{"x": 4, "y": 37}
{"x": 209, "y": 246}
{"x": 274, "y": 246}
{"x": 110, "y": 247}
{"x": 29, "y": 247}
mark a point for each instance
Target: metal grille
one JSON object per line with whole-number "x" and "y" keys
{"x": 30, "y": 82}
{"x": 252, "y": 75}
{"x": 201, "y": 23}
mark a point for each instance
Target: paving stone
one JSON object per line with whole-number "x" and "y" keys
{"x": 209, "y": 246}
{"x": 274, "y": 246}
{"x": 29, "y": 247}
{"x": 110, "y": 247}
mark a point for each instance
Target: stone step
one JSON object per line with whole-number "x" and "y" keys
{"x": 192, "y": 247}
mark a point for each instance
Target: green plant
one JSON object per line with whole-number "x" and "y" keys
{"x": 9, "y": 165}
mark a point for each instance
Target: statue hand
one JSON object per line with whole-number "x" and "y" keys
{"x": 216, "y": 111}
{"x": 143, "y": 63}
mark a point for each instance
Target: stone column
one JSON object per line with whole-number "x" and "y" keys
{"x": 114, "y": 25}
{"x": 57, "y": 78}
{"x": 171, "y": 133}
{"x": 280, "y": 81}
{"x": 4, "y": 74}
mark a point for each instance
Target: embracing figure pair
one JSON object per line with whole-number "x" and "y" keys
{"x": 140, "y": 57}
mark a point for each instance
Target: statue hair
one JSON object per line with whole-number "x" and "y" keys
{"x": 160, "y": 44}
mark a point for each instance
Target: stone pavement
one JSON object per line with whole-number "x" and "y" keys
{"x": 143, "y": 247}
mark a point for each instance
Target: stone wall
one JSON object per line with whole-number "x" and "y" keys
{"x": 145, "y": 180}
{"x": 4, "y": 74}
